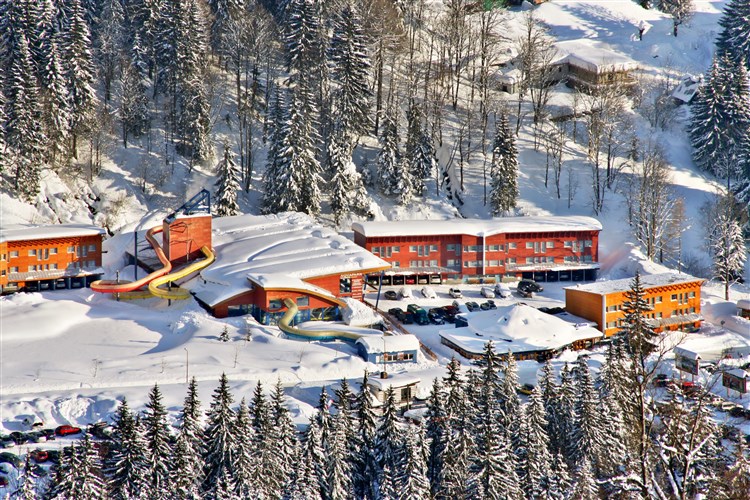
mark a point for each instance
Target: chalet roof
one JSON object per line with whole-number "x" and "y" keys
{"x": 389, "y": 343}
{"x": 26, "y": 232}
{"x": 593, "y": 55}
{"x": 648, "y": 281}
{"x": 476, "y": 227}
{"x": 395, "y": 381}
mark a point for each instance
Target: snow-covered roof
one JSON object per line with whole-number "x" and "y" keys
{"x": 25, "y": 232}
{"x": 647, "y": 281}
{"x": 477, "y": 227}
{"x": 686, "y": 353}
{"x": 389, "y": 343}
{"x": 517, "y": 328}
{"x": 592, "y": 55}
{"x": 276, "y": 251}
{"x": 743, "y": 303}
{"x": 396, "y": 380}
{"x": 739, "y": 373}
{"x": 687, "y": 88}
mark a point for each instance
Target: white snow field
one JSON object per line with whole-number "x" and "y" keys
{"x": 68, "y": 356}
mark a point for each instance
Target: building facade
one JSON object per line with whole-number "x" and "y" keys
{"x": 675, "y": 300}
{"x": 430, "y": 251}
{"x": 34, "y": 257}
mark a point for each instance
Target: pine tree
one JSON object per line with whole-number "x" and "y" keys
{"x": 350, "y": 67}
{"x": 187, "y": 473}
{"x": 348, "y": 193}
{"x": 224, "y": 12}
{"x": 389, "y": 446}
{"x": 127, "y": 465}
{"x": 227, "y": 184}
{"x": 437, "y": 436}
{"x": 729, "y": 251}
{"x": 338, "y": 476}
{"x": 734, "y": 482}
{"x": 27, "y": 483}
{"x": 415, "y": 485}
{"x": 220, "y": 439}
{"x": 110, "y": 40}
{"x": 158, "y": 447}
{"x": 585, "y": 487}
{"x": 283, "y": 436}
{"x": 537, "y": 458}
{"x": 589, "y": 431}
{"x": 313, "y": 458}
{"x": 389, "y": 157}
{"x": 24, "y": 135}
{"x": 365, "y": 467}
{"x": 422, "y": 161}
{"x": 734, "y": 37}
{"x": 4, "y": 151}
{"x": 86, "y": 479}
{"x": 247, "y": 480}
{"x": 565, "y": 422}
{"x": 504, "y": 169}
{"x": 134, "y": 83}
{"x": 80, "y": 77}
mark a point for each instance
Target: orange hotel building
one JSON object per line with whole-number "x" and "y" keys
{"x": 674, "y": 298}
{"x": 47, "y": 257}
{"x": 549, "y": 248}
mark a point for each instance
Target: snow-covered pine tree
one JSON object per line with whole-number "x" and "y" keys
{"x": 187, "y": 475}
{"x": 537, "y": 458}
{"x": 87, "y": 480}
{"x": 549, "y": 392}
{"x": 271, "y": 176}
{"x": 81, "y": 72}
{"x": 423, "y": 162}
{"x": 134, "y": 83}
{"x": 585, "y": 486}
{"x": 109, "y": 42}
{"x": 734, "y": 481}
{"x": 729, "y": 251}
{"x": 313, "y": 461}
{"x": 348, "y": 193}
{"x": 389, "y": 156}
{"x": 564, "y": 423}
{"x": 504, "y": 169}
{"x": 559, "y": 480}
{"x": 127, "y": 464}
{"x": 227, "y": 184}
{"x": 158, "y": 438}
{"x": 283, "y": 436}
{"x": 28, "y": 488}
{"x": 389, "y": 447}
{"x": 220, "y": 439}
{"x": 710, "y": 118}
{"x": 350, "y": 73}
{"x": 247, "y": 480}
{"x": 510, "y": 404}
{"x": 365, "y": 467}
{"x": 223, "y": 12}
{"x": 734, "y": 37}
{"x": 414, "y": 484}
{"x": 437, "y": 434}
{"x": 24, "y": 134}
{"x": 588, "y": 437}
{"x": 338, "y": 484}
{"x": 4, "y": 152}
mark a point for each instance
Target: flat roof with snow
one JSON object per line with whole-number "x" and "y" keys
{"x": 518, "y": 329}
{"x": 26, "y": 232}
{"x": 276, "y": 251}
{"x": 647, "y": 281}
{"x": 397, "y": 380}
{"x": 389, "y": 343}
{"x": 476, "y": 227}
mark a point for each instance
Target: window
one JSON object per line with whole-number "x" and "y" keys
{"x": 433, "y": 248}
{"x": 495, "y": 263}
{"x": 13, "y": 253}
{"x": 345, "y": 285}
{"x": 53, "y": 251}
{"x": 32, "y": 252}
{"x": 494, "y": 248}
{"x": 2, "y": 273}
{"x": 512, "y": 246}
{"x": 376, "y": 250}
{"x": 568, "y": 258}
{"x": 433, "y": 263}
{"x": 510, "y": 260}
{"x": 2, "y": 256}
{"x": 454, "y": 263}
{"x": 451, "y": 247}
{"x": 396, "y": 249}
{"x": 32, "y": 268}
{"x": 691, "y": 295}
{"x": 567, "y": 244}
{"x": 71, "y": 249}
{"x": 674, "y": 297}
{"x": 588, "y": 258}
{"x": 396, "y": 264}
{"x": 274, "y": 304}
{"x": 529, "y": 260}
{"x": 587, "y": 243}
{"x": 91, "y": 264}
{"x": 92, "y": 248}
{"x": 53, "y": 266}
{"x": 611, "y": 324}
{"x": 529, "y": 245}
{"x": 13, "y": 270}
{"x": 658, "y": 299}
{"x": 550, "y": 244}
{"x": 412, "y": 248}
{"x": 303, "y": 301}
{"x": 691, "y": 310}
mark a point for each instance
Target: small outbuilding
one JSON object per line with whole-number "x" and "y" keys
{"x": 743, "y": 308}
{"x": 388, "y": 348}
{"x": 736, "y": 380}
{"x": 404, "y": 388}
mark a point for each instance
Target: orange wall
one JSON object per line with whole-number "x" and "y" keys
{"x": 185, "y": 236}
{"x": 589, "y": 305}
{"x": 62, "y": 259}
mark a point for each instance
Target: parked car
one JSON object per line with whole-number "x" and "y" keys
{"x": 455, "y": 293}
{"x": 449, "y": 313}
{"x": 428, "y": 293}
{"x": 19, "y": 437}
{"x": 502, "y": 290}
{"x": 420, "y": 315}
{"x": 472, "y": 306}
{"x": 66, "y": 430}
{"x": 404, "y": 293}
{"x": 435, "y": 315}
{"x": 487, "y": 305}
{"x": 11, "y": 458}
{"x": 487, "y": 292}
{"x": 691, "y": 388}
{"x": 390, "y": 295}
{"x": 49, "y": 434}
{"x": 39, "y": 455}
{"x": 401, "y": 316}
{"x": 526, "y": 288}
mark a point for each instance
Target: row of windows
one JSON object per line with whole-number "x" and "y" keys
{"x": 89, "y": 264}
{"x": 386, "y": 251}
{"x": 682, "y": 298}
{"x": 425, "y": 250}
{"x": 680, "y": 312}
{"x": 423, "y": 263}
{"x": 400, "y": 356}
{"x": 44, "y": 253}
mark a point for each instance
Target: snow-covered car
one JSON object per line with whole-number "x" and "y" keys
{"x": 502, "y": 290}
{"x": 391, "y": 295}
{"x": 455, "y": 293}
{"x": 428, "y": 293}
{"x": 487, "y": 292}
{"x": 405, "y": 293}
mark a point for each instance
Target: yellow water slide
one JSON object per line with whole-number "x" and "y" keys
{"x": 179, "y": 293}
{"x": 286, "y": 327}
